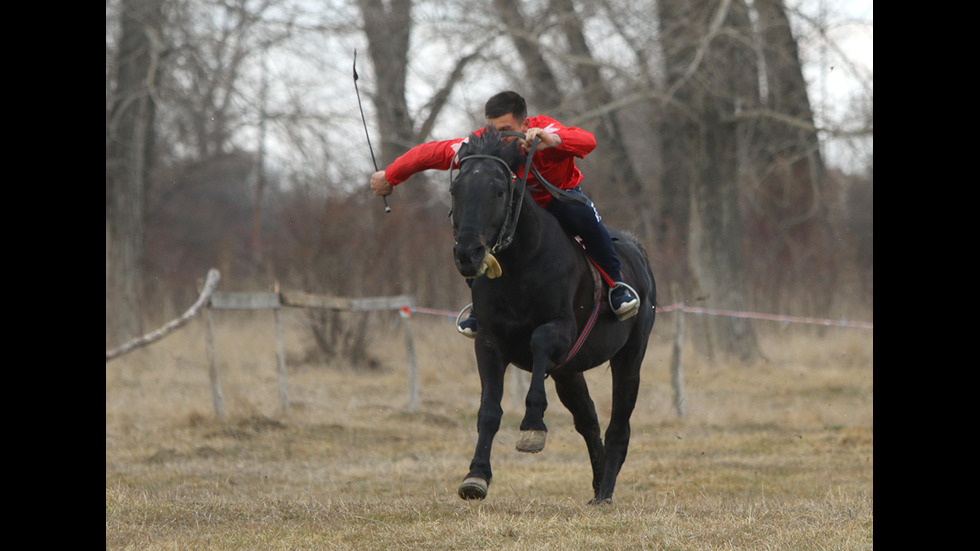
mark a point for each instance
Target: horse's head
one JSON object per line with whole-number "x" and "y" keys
{"x": 483, "y": 196}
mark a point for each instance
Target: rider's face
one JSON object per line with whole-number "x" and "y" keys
{"x": 508, "y": 123}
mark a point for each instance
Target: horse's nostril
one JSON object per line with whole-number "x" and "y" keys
{"x": 469, "y": 258}
{"x": 469, "y": 255}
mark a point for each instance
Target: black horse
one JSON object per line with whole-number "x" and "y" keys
{"x": 536, "y": 295}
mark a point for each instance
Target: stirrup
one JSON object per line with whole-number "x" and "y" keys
{"x": 626, "y": 314}
{"x": 466, "y": 332}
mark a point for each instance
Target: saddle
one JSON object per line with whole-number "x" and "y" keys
{"x": 599, "y": 275}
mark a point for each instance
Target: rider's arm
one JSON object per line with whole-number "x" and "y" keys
{"x": 431, "y": 155}
{"x": 572, "y": 140}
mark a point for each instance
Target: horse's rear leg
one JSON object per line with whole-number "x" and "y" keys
{"x": 491, "y": 369}
{"x": 573, "y": 392}
{"x": 626, "y": 384}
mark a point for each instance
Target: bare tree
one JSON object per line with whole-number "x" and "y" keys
{"x": 710, "y": 74}
{"x": 232, "y": 88}
{"x": 218, "y": 71}
{"x": 129, "y": 153}
{"x": 545, "y": 90}
{"x": 388, "y": 26}
{"x": 788, "y": 194}
{"x": 255, "y": 97}
{"x": 616, "y": 165}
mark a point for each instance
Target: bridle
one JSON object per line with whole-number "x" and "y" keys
{"x": 506, "y": 235}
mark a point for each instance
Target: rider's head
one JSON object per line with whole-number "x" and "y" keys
{"x": 507, "y": 111}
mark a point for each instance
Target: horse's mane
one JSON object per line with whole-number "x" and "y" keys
{"x": 484, "y": 142}
{"x": 488, "y": 141}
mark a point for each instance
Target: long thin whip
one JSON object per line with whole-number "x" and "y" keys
{"x": 366, "y": 133}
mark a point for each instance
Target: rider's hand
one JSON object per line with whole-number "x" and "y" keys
{"x": 546, "y": 139}
{"x": 379, "y": 184}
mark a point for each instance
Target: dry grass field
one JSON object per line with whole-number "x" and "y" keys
{"x": 777, "y": 456}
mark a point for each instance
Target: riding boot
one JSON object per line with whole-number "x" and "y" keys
{"x": 585, "y": 222}
{"x": 624, "y": 304}
{"x": 467, "y": 327}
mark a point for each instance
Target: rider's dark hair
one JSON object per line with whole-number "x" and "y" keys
{"x": 506, "y": 103}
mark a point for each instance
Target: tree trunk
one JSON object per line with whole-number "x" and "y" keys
{"x": 710, "y": 77}
{"x": 617, "y": 168}
{"x": 679, "y": 129}
{"x": 129, "y": 146}
{"x": 791, "y": 198}
{"x": 787, "y": 90}
{"x": 388, "y": 27}
{"x": 545, "y": 93}
{"x": 716, "y": 240}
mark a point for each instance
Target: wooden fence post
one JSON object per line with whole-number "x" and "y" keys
{"x": 413, "y": 368}
{"x": 216, "y": 396}
{"x": 281, "y": 355}
{"x": 677, "y": 364}
{"x": 245, "y": 301}
{"x": 275, "y": 301}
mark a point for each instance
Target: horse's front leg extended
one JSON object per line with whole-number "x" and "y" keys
{"x": 548, "y": 342}
{"x": 491, "y": 369}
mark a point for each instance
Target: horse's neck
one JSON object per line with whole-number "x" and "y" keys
{"x": 537, "y": 230}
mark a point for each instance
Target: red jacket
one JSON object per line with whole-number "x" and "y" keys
{"x": 556, "y": 164}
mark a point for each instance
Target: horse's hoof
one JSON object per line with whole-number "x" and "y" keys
{"x": 473, "y": 488}
{"x": 531, "y": 441}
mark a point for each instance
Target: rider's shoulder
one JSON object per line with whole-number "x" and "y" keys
{"x": 542, "y": 121}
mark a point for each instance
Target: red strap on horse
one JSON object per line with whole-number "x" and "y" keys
{"x": 592, "y": 317}
{"x": 605, "y": 277}
{"x": 581, "y": 339}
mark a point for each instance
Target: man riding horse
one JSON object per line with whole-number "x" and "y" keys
{"x": 554, "y": 161}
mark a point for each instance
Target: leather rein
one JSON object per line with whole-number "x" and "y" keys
{"x": 513, "y": 214}
{"x": 506, "y": 235}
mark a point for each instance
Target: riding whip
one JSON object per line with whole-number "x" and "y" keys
{"x": 366, "y": 133}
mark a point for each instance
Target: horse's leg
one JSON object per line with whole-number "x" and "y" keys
{"x": 547, "y": 342}
{"x": 491, "y": 368}
{"x": 574, "y": 393}
{"x": 625, "y": 368}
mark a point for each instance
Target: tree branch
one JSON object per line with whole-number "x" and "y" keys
{"x": 209, "y": 285}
